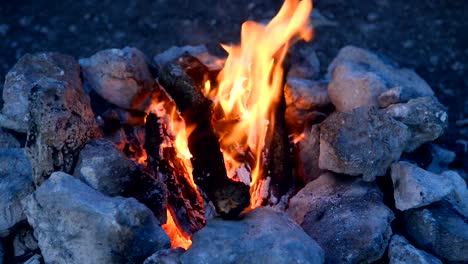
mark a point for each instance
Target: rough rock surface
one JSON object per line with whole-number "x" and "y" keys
{"x": 30, "y": 70}
{"x": 200, "y": 52}
{"x": 24, "y": 242}
{"x": 121, "y": 76}
{"x": 309, "y": 151}
{"x": 61, "y": 122}
{"x": 15, "y": 183}
{"x": 346, "y": 216}
{"x": 415, "y": 187}
{"x": 425, "y": 117}
{"x": 76, "y": 224}
{"x": 359, "y": 77}
{"x": 263, "y": 236}
{"x": 102, "y": 166}
{"x": 441, "y": 158}
{"x": 165, "y": 256}
{"x": 439, "y": 229}
{"x": 361, "y": 142}
{"x": 400, "y": 251}
{"x": 303, "y": 99}
{"x": 7, "y": 140}
{"x": 36, "y": 259}
{"x": 459, "y": 196}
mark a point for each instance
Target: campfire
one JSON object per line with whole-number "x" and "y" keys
{"x": 229, "y": 128}
{"x": 194, "y": 158}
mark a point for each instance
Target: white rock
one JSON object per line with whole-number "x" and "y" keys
{"x": 415, "y": 187}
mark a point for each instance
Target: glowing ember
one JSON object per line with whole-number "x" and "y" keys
{"x": 178, "y": 237}
{"x": 251, "y": 82}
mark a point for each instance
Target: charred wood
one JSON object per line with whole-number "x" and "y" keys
{"x": 230, "y": 198}
{"x": 182, "y": 198}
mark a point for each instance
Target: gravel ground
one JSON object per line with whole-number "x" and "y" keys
{"x": 430, "y": 36}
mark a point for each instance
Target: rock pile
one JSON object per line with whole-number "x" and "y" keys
{"x": 73, "y": 193}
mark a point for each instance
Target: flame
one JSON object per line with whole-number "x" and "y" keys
{"x": 175, "y": 126}
{"x": 251, "y": 81}
{"x": 177, "y": 236}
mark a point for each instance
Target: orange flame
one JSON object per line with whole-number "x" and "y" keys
{"x": 252, "y": 78}
{"x": 175, "y": 126}
{"x": 177, "y": 236}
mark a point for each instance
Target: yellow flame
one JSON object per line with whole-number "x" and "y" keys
{"x": 252, "y": 78}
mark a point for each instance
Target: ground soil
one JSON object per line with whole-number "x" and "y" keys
{"x": 430, "y": 36}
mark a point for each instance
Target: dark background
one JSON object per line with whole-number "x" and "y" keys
{"x": 429, "y": 36}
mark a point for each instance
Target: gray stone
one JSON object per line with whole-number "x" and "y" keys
{"x": 441, "y": 158}
{"x": 263, "y": 236}
{"x": 175, "y": 52}
{"x": 304, "y": 63}
{"x": 76, "y": 224}
{"x": 15, "y": 183}
{"x": 309, "y": 151}
{"x": 415, "y": 187}
{"x": 61, "y": 122}
{"x": 7, "y": 140}
{"x": 439, "y": 229}
{"x": 425, "y": 117}
{"x": 346, "y": 216}
{"x": 303, "y": 97}
{"x": 200, "y": 52}
{"x": 359, "y": 77}
{"x": 30, "y": 70}
{"x": 36, "y": 259}
{"x": 459, "y": 196}
{"x": 361, "y": 142}
{"x": 121, "y": 76}
{"x": 165, "y": 256}
{"x": 24, "y": 242}
{"x": 105, "y": 168}
{"x": 400, "y": 251}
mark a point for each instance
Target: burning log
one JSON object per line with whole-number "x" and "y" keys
{"x": 182, "y": 198}
{"x": 277, "y": 165}
{"x": 230, "y": 198}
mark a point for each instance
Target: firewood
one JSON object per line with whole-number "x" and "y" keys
{"x": 182, "y": 198}
{"x": 230, "y": 198}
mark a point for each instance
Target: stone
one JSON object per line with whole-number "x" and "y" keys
{"x": 61, "y": 122}
{"x": 458, "y": 198}
{"x": 165, "y": 256}
{"x": 7, "y": 140}
{"x": 361, "y": 142}
{"x": 24, "y": 242}
{"x": 73, "y": 223}
{"x": 175, "y": 52}
{"x": 359, "y": 77}
{"x": 415, "y": 187}
{"x": 262, "y": 236}
{"x": 400, "y": 251}
{"x": 346, "y": 216}
{"x": 213, "y": 63}
{"x": 440, "y": 230}
{"x": 121, "y": 76}
{"x": 308, "y": 152}
{"x": 105, "y": 168}
{"x": 304, "y": 63}
{"x": 441, "y": 158}
{"x": 36, "y": 259}
{"x": 303, "y": 97}
{"x": 425, "y": 117}
{"x": 30, "y": 70}
{"x": 15, "y": 183}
